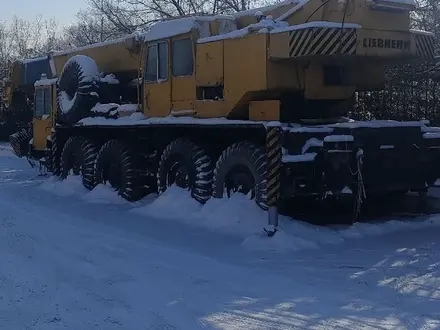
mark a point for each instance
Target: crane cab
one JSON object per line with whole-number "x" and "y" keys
{"x": 170, "y": 71}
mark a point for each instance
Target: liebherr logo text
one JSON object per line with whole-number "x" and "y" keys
{"x": 386, "y": 43}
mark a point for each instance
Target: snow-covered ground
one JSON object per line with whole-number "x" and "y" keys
{"x": 76, "y": 259}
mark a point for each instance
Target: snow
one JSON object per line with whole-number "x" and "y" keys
{"x": 431, "y": 135}
{"x": 71, "y": 186}
{"x": 103, "y": 194}
{"x": 140, "y": 119}
{"x": 167, "y": 29}
{"x": 430, "y": 129}
{"x": 378, "y": 124}
{"x": 125, "y": 109}
{"x": 308, "y": 129}
{"x": 402, "y": 2}
{"x": 114, "y": 108}
{"x": 110, "y": 79}
{"x": 88, "y": 67}
{"x": 386, "y": 146}
{"x": 129, "y": 107}
{"x": 182, "y": 112}
{"x": 422, "y": 32}
{"x": 316, "y": 24}
{"x": 134, "y": 35}
{"x": 382, "y": 123}
{"x": 173, "y": 27}
{"x": 307, "y": 157}
{"x": 104, "y": 108}
{"x": 35, "y": 59}
{"x": 339, "y": 138}
{"x": 69, "y": 261}
{"x": 267, "y": 23}
{"x": 312, "y": 142}
{"x": 66, "y": 102}
{"x": 273, "y": 123}
{"x": 45, "y": 82}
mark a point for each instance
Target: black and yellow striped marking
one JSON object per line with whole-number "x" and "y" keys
{"x": 274, "y": 153}
{"x": 425, "y": 46}
{"x": 322, "y": 41}
{"x": 55, "y": 154}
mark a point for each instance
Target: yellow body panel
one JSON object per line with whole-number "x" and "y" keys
{"x": 42, "y": 129}
{"x": 118, "y": 56}
{"x": 183, "y": 92}
{"x": 183, "y": 88}
{"x": 42, "y": 125}
{"x": 264, "y": 110}
{"x": 211, "y": 109}
{"x": 183, "y": 106}
{"x": 288, "y": 74}
{"x": 157, "y": 94}
{"x": 209, "y": 71}
{"x": 385, "y": 43}
{"x": 247, "y": 17}
{"x": 316, "y": 89}
{"x": 245, "y": 69}
{"x": 259, "y": 73}
{"x": 157, "y": 99}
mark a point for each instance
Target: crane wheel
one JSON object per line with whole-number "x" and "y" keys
{"x": 241, "y": 168}
{"x": 90, "y": 151}
{"x": 79, "y": 155}
{"x": 77, "y": 90}
{"x": 72, "y": 157}
{"x": 20, "y": 142}
{"x": 48, "y": 155}
{"x": 188, "y": 166}
{"x": 116, "y": 164}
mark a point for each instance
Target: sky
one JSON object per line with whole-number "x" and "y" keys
{"x": 63, "y": 11}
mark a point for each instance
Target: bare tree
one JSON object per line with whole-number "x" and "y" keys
{"x": 409, "y": 92}
{"x": 29, "y": 39}
{"x": 91, "y": 27}
{"x": 128, "y": 15}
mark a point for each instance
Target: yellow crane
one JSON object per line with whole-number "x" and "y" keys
{"x": 252, "y": 102}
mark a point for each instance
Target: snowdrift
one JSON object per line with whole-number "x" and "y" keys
{"x": 237, "y": 216}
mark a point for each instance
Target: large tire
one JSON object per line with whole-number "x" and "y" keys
{"x": 194, "y": 164}
{"x": 71, "y": 156}
{"x": 48, "y": 154}
{"x": 79, "y": 154}
{"x": 117, "y": 164}
{"x": 90, "y": 151}
{"x": 242, "y": 164}
{"x": 77, "y": 89}
{"x": 20, "y": 142}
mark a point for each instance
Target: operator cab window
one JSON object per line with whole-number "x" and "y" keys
{"x": 183, "y": 61}
{"x": 157, "y": 62}
{"x": 47, "y": 100}
{"x": 43, "y": 102}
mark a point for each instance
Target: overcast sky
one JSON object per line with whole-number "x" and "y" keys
{"x": 63, "y": 11}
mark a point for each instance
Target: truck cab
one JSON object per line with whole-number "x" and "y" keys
{"x": 44, "y": 105}
{"x": 171, "y": 75}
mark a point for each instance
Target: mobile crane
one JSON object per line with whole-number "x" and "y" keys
{"x": 252, "y": 102}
